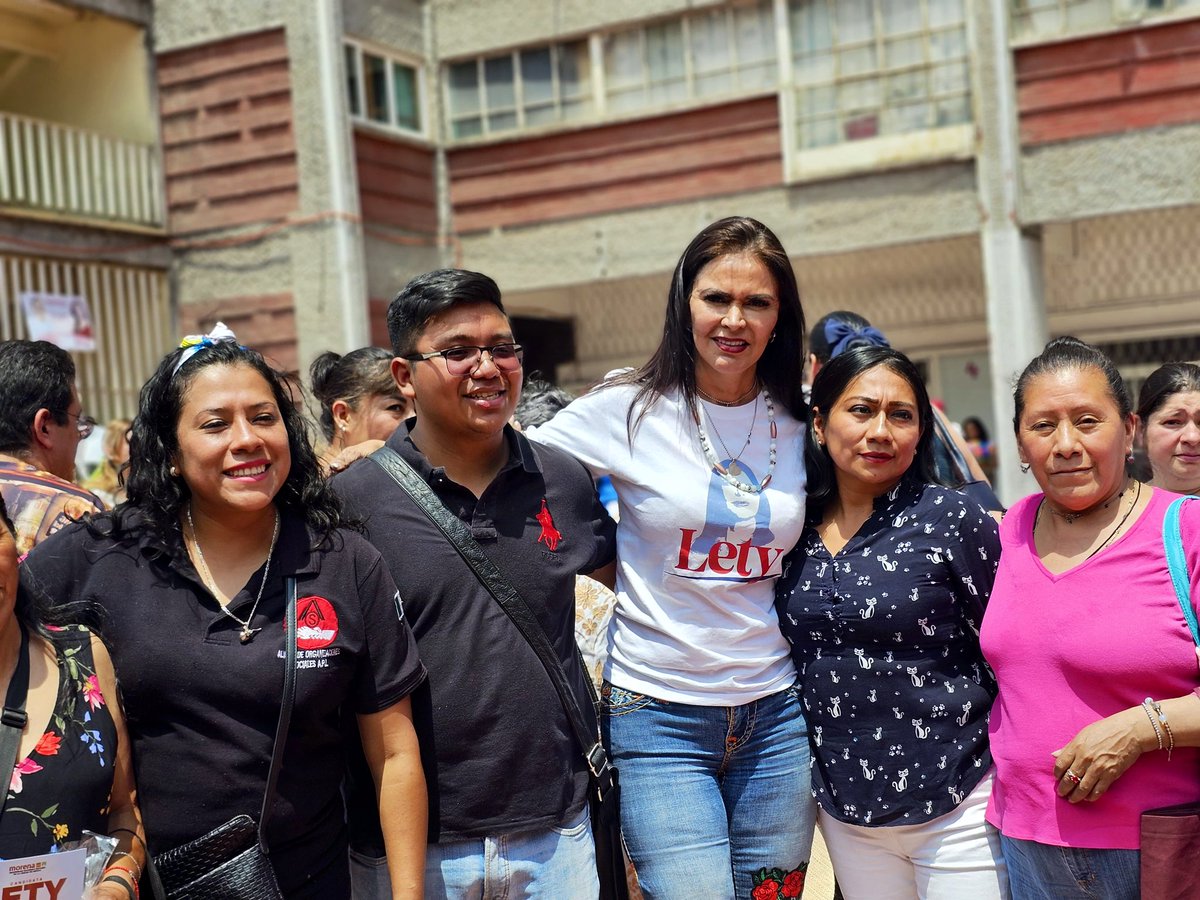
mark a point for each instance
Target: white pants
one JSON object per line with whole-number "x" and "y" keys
{"x": 952, "y": 857}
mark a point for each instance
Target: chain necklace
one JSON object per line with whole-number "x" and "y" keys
{"x": 247, "y": 633}
{"x": 730, "y": 473}
{"x": 733, "y": 468}
{"x": 1112, "y": 534}
{"x": 738, "y": 402}
{"x": 1070, "y": 517}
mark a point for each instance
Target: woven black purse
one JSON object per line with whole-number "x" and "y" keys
{"x": 231, "y": 862}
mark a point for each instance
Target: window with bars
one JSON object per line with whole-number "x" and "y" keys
{"x": 1033, "y": 19}
{"x": 383, "y": 90}
{"x": 522, "y": 89}
{"x": 721, "y": 51}
{"x": 724, "y": 51}
{"x": 868, "y": 68}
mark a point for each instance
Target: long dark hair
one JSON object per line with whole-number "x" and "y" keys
{"x": 673, "y": 365}
{"x": 159, "y": 497}
{"x": 829, "y": 386}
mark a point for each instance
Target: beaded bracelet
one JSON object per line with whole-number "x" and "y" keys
{"x": 130, "y": 887}
{"x": 1162, "y": 720}
{"x": 133, "y": 876}
{"x": 136, "y": 875}
{"x": 1153, "y": 721}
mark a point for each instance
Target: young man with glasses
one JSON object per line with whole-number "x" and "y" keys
{"x": 507, "y": 782}
{"x": 41, "y": 425}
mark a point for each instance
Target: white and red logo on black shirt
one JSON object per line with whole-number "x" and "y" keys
{"x": 316, "y": 623}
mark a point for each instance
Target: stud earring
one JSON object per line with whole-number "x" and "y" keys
{"x": 1025, "y": 468}
{"x": 772, "y": 340}
{"x": 174, "y": 472}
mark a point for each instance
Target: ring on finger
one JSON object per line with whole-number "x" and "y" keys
{"x": 1072, "y": 777}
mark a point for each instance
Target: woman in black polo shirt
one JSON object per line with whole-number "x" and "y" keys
{"x": 226, "y": 501}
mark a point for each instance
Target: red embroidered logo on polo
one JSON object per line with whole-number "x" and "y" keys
{"x": 316, "y": 623}
{"x": 550, "y": 535}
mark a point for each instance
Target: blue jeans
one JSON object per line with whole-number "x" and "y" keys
{"x": 1046, "y": 872}
{"x": 711, "y": 795}
{"x": 546, "y": 863}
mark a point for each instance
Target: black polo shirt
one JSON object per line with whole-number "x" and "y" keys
{"x": 499, "y": 753}
{"x": 202, "y": 707}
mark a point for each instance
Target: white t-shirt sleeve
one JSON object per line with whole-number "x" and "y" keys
{"x": 592, "y": 429}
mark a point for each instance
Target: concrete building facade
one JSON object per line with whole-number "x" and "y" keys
{"x": 971, "y": 175}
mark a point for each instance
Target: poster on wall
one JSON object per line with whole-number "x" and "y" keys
{"x": 62, "y": 319}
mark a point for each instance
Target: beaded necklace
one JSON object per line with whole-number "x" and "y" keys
{"x": 730, "y": 474}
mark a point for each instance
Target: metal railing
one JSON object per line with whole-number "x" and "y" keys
{"x": 75, "y": 172}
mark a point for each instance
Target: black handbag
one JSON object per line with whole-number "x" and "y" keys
{"x": 605, "y": 793}
{"x": 1170, "y": 835}
{"x": 232, "y": 862}
{"x": 952, "y": 470}
{"x": 13, "y": 717}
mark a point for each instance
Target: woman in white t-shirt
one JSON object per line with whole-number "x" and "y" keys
{"x": 704, "y": 448}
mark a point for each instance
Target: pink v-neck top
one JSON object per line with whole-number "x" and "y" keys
{"x": 1073, "y": 648}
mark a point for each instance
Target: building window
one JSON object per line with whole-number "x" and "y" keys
{"x": 522, "y": 89}
{"x": 1033, "y": 19}
{"x": 870, "y": 68}
{"x": 383, "y": 90}
{"x": 707, "y": 54}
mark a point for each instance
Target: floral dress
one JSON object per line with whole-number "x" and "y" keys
{"x": 63, "y": 786}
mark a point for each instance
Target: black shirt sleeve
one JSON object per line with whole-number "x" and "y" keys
{"x": 391, "y": 668}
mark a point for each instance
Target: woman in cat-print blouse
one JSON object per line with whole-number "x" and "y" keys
{"x": 882, "y": 601}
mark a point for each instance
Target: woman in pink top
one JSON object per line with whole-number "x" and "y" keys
{"x": 1082, "y": 627}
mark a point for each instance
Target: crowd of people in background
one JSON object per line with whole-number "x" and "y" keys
{"x": 800, "y": 603}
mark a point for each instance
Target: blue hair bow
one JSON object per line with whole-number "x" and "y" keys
{"x": 839, "y": 335}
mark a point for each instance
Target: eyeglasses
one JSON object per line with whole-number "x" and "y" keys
{"x": 85, "y": 424}
{"x": 465, "y": 360}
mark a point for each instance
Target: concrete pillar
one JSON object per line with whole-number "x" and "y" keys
{"x": 328, "y": 269}
{"x": 1012, "y": 258}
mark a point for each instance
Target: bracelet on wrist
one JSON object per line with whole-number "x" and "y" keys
{"x": 130, "y": 887}
{"x": 1153, "y": 721}
{"x": 1162, "y": 720}
{"x": 134, "y": 873}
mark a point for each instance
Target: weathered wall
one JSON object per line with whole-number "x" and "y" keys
{"x": 395, "y": 24}
{"x": 465, "y": 27}
{"x": 721, "y": 149}
{"x": 828, "y": 217}
{"x": 1138, "y": 170}
{"x": 184, "y": 24}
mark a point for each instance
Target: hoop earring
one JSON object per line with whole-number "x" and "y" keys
{"x": 174, "y": 472}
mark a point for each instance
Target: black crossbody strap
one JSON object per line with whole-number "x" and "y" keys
{"x": 460, "y": 537}
{"x": 285, "y": 715}
{"x": 13, "y": 718}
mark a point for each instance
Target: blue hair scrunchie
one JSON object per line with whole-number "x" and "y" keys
{"x": 838, "y": 335}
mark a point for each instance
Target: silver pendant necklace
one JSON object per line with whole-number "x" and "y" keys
{"x": 247, "y": 633}
{"x": 733, "y": 468}
{"x": 729, "y": 473}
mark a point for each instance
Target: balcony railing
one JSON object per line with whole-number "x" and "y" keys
{"x": 55, "y": 168}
